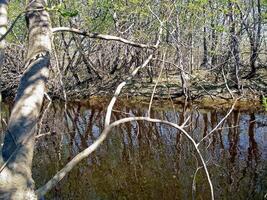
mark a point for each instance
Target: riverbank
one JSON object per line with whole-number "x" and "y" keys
{"x": 204, "y": 90}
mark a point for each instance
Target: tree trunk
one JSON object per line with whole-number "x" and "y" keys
{"x": 234, "y": 44}
{"x": 179, "y": 61}
{"x": 255, "y": 37}
{"x": 205, "y": 48}
{"x": 16, "y": 176}
{"x": 3, "y": 25}
{"x": 214, "y": 37}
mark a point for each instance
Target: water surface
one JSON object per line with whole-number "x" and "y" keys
{"x": 142, "y": 160}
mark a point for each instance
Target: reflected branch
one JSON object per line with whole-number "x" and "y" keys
{"x": 85, "y": 153}
{"x": 217, "y": 126}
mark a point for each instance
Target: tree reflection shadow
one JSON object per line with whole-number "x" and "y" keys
{"x": 144, "y": 160}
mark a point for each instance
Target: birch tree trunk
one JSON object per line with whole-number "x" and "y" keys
{"x": 3, "y": 27}
{"x": 16, "y": 176}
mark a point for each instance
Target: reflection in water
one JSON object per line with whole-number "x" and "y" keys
{"x": 141, "y": 160}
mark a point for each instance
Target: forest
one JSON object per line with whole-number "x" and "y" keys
{"x": 187, "y": 70}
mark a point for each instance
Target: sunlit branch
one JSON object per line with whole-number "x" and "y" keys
{"x": 102, "y": 37}
{"x": 122, "y": 84}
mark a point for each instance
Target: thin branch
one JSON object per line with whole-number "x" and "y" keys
{"x": 194, "y": 182}
{"x": 119, "y": 88}
{"x": 223, "y": 119}
{"x": 44, "y": 113}
{"x": 60, "y": 77}
{"x": 226, "y": 84}
{"x": 11, "y": 27}
{"x": 155, "y": 86}
{"x": 122, "y": 84}
{"x": 15, "y": 21}
{"x": 102, "y": 37}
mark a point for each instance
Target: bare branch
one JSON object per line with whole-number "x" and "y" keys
{"x": 103, "y": 37}
{"x": 155, "y": 86}
{"x": 217, "y": 126}
{"x": 226, "y": 84}
{"x": 85, "y": 153}
{"x": 121, "y": 85}
{"x": 44, "y": 113}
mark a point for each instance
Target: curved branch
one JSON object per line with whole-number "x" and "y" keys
{"x": 102, "y": 37}
{"x": 122, "y": 84}
{"x": 85, "y": 153}
{"x": 223, "y": 119}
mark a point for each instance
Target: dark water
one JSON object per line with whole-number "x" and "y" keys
{"x": 152, "y": 161}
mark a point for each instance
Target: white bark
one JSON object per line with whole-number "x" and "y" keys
{"x": 15, "y": 177}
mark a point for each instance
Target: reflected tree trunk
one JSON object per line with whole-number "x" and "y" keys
{"x": 253, "y": 146}
{"x": 16, "y": 176}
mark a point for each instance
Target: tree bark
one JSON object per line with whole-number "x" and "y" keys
{"x": 16, "y": 177}
{"x": 234, "y": 44}
{"x": 214, "y": 36}
{"x": 3, "y": 28}
{"x": 255, "y": 37}
{"x": 179, "y": 60}
{"x": 205, "y": 48}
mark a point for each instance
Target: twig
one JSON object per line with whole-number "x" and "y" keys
{"x": 41, "y": 135}
{"x": 155, "y": 86}
{"x": 216, "y": 127}
{"x": 15, "y": 21}
{"x": 119, "y": 88}
{"x": 11, "y": 27}
{"x": 60, "y": 79}
{"x": 194, "y": 182}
